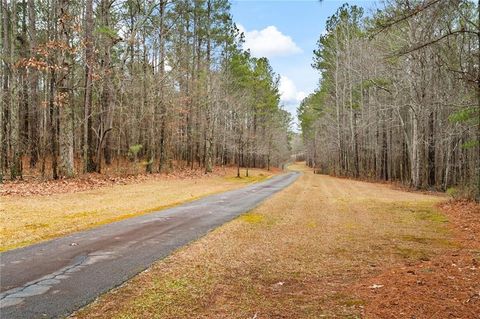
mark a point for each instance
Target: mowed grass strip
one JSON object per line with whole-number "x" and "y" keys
{"x": 295, "y": 256}
{"x": 28, "y": 220}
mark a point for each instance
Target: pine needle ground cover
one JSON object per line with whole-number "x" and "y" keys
{"x": 322, "y": 248}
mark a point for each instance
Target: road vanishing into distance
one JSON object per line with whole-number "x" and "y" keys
{"x": 54, "y": 278}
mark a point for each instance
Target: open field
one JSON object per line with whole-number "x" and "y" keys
{"x": 27, "y": 220}
{"x": 322, "y": 248}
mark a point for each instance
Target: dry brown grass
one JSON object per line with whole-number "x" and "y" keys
{"x": 27, "y": 220}
{"x": 298, "y": 255}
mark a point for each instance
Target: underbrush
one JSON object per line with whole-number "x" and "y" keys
{"x": 469, "y": 192}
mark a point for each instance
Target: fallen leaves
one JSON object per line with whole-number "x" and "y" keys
{"x": 94, "y": 181}
{"x": 446, "y": 286}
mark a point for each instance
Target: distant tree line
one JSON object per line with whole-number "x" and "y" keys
{"x": 399, "y": 95}
{"x": 86, "y": 82}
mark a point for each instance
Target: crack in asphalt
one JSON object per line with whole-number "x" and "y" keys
{"x": 17, "y": 295}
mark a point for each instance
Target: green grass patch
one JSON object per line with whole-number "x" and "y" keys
{"x": 414, "y": 230}
{"x": 252, "y": 218}
{"x": 312, "y": 224}
{"x": 408, "y": 212}
{"x": 431, "y": 215}
{"x": 412, "y": 253}
{"x": 171, "y": 291}
{"x": 36, "y": 226}
{"x": 347, "y": 301}
{"x": 178, "y": 285}
{"x": 444, "y": 242}
{"x": 354, "y": 302}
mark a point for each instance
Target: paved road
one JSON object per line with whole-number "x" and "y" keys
{"x": 54, "y": 278}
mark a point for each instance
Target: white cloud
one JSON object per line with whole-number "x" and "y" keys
{"x": 269, "y": 42}
{"x": 289, "y": 94}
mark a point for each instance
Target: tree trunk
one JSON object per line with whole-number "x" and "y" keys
{"x": 107, "y": 90}
{"x": 12, "y": 103}
{"x": 6, "y": 99}
{"x": 88, "y": 147}
{"x": 415, "y": 160}
{"x": 33, "y": 82}
{"x": 63, "y": 96}
{"x": 431, "y": 151}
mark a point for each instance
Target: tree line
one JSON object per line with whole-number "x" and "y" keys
{"x": 399, "y": 95}
{"x": 166, "y": 81}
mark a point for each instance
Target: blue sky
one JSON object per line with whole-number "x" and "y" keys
{"x": 286, "y": 32}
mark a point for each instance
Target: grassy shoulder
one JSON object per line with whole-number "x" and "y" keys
{"x": 28, "y": 220}
{"x": 301, "y": 254}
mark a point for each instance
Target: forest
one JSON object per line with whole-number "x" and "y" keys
{"x": 151, "y": 165}
{"x": 159, "y": 83}
{"x": 399, "y": 96}
{"x": 165, "y": 84}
